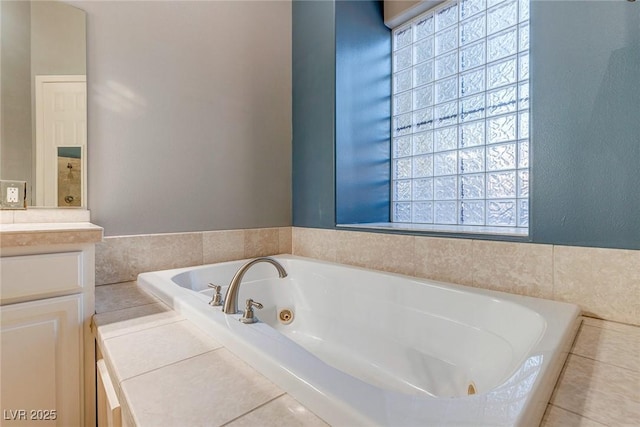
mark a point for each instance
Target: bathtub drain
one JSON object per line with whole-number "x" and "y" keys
{"x": 285, "y": 316}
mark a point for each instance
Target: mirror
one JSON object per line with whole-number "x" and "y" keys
{"x": 43, "y": 97}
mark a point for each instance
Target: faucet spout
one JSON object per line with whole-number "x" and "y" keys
{"x": 231, "y": 298}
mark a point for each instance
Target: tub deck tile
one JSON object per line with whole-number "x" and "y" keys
{"x": 134, "y": 319}
{"x": 632, "y": 331}
{"x": 284, "y": 411}
{"x": 610, "y": 346}
{"x": 120, "y": 296}
{"x": 599, "y": 391}
{"x": 206, "y": 390}
{"x": 558, "y": 417}
{"x": 139, "y": 352}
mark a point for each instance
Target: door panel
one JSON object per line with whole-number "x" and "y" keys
{"x": 40, "y": 362}
{"x": 61, "y": 121}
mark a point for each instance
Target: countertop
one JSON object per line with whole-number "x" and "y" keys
{"x": 168, "y": 372}
{"x": 48, "y": 233}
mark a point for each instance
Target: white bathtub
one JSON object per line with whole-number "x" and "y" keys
{"x": 372, "y": 348}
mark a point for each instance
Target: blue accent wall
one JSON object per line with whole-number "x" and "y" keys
{"x": 363, "y": 111}
{"x": 313, "y": 114}
{"x": 585, "y": 123}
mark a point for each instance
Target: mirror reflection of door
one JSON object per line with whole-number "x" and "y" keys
{"x": 61, "y": 121}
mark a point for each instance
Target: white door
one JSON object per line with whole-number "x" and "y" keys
{"x": 40, "y": 362}
{"x": 61, "y": 121}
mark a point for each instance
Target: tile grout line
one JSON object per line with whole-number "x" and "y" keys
{"x": 473, "y": 263}
{"x": 202, "y": 246}
{"x": 171, "y": 364}
{"x": 604, "y": 363}
{"x": 119, "y": 282}
{"x": 126, "y": 308}
{"x": 564, "y": 366}
{"x": 553, "y": 274}
{"x": 143, "y": 329}
{"x": 575, "y": 339}
{"x": 114, "y": 283}
{"x": 416, "y": 267}
{"x": 631, "y": 325}
{"x": 576, "y": 413}
{"x": 254, "y": 409}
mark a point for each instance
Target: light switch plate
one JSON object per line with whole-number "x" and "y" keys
{"x": 13, "y": 194}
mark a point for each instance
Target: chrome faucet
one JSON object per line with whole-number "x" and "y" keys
{"x": 231, "y": 298}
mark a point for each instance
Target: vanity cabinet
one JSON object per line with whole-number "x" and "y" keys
{"x": 47, "y": 360}
{"x": 41, "y": 360}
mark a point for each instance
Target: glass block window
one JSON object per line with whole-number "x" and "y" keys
{"x": 460, "y": 115}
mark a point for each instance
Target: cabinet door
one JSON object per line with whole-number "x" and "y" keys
{"x": 40, "y": 362}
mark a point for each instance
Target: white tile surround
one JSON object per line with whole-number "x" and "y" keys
{"x": 605, "y": 283}
{"x": 122, "y": 258}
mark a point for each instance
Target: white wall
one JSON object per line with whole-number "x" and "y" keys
{"x": 189, "y": 115}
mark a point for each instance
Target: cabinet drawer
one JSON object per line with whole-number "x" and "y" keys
{"x": 38, "y": 276}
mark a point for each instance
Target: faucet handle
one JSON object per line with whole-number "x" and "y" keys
{"x": 251, "y": 303}
{"x": 217, "y": 297}
{"x": 248, "y": 316}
